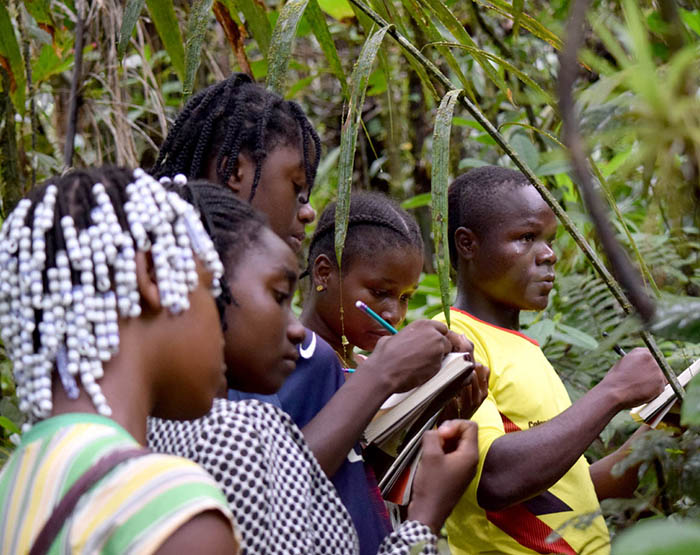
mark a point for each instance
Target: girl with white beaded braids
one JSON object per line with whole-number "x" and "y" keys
{"x": 107, "y": 283}
{"x": 58, "y": 303}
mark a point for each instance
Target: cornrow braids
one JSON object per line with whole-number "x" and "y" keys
{"x": 232, "y": 224}
{"x": 473, "y": 197}
{"x": 375, "y": 221}
{"x": 232, "y": 117}
{"x": 68, "y": 272}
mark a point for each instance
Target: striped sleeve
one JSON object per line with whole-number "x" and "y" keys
{"x": 142, "y": 503}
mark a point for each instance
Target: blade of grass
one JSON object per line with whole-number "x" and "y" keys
{"x": 163, "y": 16}
{"x": 282, "y": 44}
{"x": 439, "y": 181}
{"x": 348, "y": 139}
{"x": 196, "y": 29}
{"x": 132, "y": 11}
{"x": 317, "y": 20}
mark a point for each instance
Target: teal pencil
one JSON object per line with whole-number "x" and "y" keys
{"x": 376, "y": 317}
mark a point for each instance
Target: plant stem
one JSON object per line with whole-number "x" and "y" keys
{"x": 568, "y": 224}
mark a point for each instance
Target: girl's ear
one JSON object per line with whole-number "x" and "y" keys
{"x": 241, "y": 180}
{"x": 466, "y": 243}
{"x": 322, "y": 271}
{"x": 147, "y": 283}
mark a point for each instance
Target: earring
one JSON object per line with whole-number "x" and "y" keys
{"x": 320, "y": 288}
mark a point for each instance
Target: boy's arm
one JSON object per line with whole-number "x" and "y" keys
{"x": 520, "y": 465}
{"x": 607, "y": 485}
{"x": 398, "y": 363}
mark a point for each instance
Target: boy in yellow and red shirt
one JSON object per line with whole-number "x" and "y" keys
{"x": 532, "y": 478}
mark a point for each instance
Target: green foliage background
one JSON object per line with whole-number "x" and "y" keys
{"x": 390, "y": 123}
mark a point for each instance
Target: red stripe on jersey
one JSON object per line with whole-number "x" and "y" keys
{"x": 528, "y": 530}
{"x": 508, "y": 425}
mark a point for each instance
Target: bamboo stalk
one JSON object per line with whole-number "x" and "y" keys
{"x": 563, "y": 217}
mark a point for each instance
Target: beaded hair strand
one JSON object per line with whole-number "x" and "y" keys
{"x": 68, "y": 273}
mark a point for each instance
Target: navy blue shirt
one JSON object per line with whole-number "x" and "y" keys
{"x": 317, "y": 377}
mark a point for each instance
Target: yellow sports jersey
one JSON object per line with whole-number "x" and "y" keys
{"x": 524, "y": 391}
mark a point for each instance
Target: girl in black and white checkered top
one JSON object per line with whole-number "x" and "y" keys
{"x": 281, "y": 498}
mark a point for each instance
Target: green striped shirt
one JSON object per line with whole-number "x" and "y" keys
{"x": 133, "y": 509}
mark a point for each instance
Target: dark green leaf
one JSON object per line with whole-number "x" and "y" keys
{"x": 317, "y": 20}
{"x": 348, "y": 138}
{"x": 9, "y": 425}
{"x": 283, "y": 43}
{"x": 524, "y": 147}
{"x": 40, "y": 10}
{"x": 132, "y": 11}
{"x": 9, "y": 49}
{"x": 256, "y": 21}
{"x": 439, "y": 179}
{"x": 163, "y": 16}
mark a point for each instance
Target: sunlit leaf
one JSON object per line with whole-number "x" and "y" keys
{"x": 337, "y": 9}
{"x": 439, "y": 183}
{"x": 348, "y": 138}
{"x": 282, "y": 44}
{"x": 416, "y": 201}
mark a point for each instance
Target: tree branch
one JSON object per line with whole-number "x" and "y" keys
{"x": 75, "y": 86}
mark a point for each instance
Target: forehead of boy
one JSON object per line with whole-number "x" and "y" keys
{"x": 520, "y": 206}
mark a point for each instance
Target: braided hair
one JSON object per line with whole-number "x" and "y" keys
{"x": 232, "y": 117}
{"x": 472, "y": 198}
{"x": 376, "y": 221}
{"x": 233, "y": 225}
{"x": 68, "y": 273}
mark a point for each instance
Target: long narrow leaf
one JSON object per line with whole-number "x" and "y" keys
{"x": 401, "y": 21}
{"x": 526, "y": 21}
{"x": 517, "y": 15}
{"x": 9, "y": 50}
{"x": 163, "y": 16}
{"x": 132, "y": 11}
{"x": 317, "y": 21}
{"x": 196, "y": 29}
{"x": 504, "y": 63}
{"x": 433, "y": 34}
{"x": 348, "y": 139}
{"x": 283, "y": 43}
{"x": 255, "y": 20}
{"x": 439, "y": 179}
{"x": 453, "y": 25}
